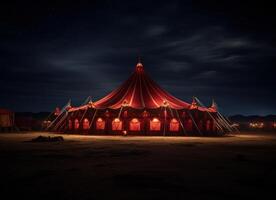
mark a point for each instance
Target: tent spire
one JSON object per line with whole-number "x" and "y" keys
{"x": 214, "y": 105}
{"x": 193, "y": 104}
{"x": 139, "y": 66}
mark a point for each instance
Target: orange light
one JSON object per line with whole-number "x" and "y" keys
{"x": 134, "y": 120}
{"x": 174, "y": 120}
{"x": 99, "y": 119}
{"x": 116, "y": 120}
{"x": 155, "y": 120}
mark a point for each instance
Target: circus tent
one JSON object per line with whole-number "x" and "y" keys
{"x": 140, "y": 106}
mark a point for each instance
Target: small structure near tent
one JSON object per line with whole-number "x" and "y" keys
{"x": 141, "y": 107}
{"x": 6, "y": 120}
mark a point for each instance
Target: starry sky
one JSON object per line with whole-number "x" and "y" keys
{"x": 53, "y": 51}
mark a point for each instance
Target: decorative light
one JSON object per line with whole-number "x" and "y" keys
{"x": 155, "y": 120}
{"x": 174, "y": 120}
{"x": 165, "y": 103}
{"x": 91, "y": 104}
{"x": 107, "y": 113}
{"x": 99, "y": 119}
{"x": 57, "y": 111}
{"x": 256, "y": 124}
{"x": 125, "y": 103}
{"x": 135, "y": 120}
{"x": 145, "y": 114}
{"x": 194, "y": 104}
{"x": 124, "y": 133}
{"x": 116, "y": 120}
{"x": 139, "y": 67}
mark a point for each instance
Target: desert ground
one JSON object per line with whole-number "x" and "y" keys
{"x": 116, "y": 167}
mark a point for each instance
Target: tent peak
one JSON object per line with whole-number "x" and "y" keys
{"x": 193, "y": 104}
{"x": 214, "y": 105}
{"x": 139, "y": 66}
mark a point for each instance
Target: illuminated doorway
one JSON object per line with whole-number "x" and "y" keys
{"x": 155, "y": 124}
{"x": 134, "y": 125}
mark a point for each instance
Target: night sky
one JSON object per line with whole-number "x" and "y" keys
{"x": 53, "y": 51}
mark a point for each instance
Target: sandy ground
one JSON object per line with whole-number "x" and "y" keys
{"x": 116, "y": 167}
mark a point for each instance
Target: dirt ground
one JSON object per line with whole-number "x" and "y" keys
{"x": 117, "y": 167}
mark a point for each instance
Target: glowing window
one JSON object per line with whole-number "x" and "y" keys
{"x": 174, "y": 125}
{"x": 100, "y": 124}
{"x": 85, "y": 124}
{"x": 76, "y": 124}
{"x": 70, "y": 125}
{"x": 117, "y": 124}
{"x": 155, "y": 124}
{"x": 134, "y": 125}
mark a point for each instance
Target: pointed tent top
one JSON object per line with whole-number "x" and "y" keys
{"x": 139, "y": 65}
{"x": 91, "y": 103}
{"x": 214, "y": 105}
{"x": 194, "y": 104}
{"x": 69, "y": 104}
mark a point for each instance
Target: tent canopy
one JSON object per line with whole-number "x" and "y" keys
{"x": 139, "y": 91}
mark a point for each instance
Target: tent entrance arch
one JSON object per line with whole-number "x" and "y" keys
{"x": 134, "y": 125}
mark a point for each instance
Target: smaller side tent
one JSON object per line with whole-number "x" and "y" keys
{"x": 6, "y": 119}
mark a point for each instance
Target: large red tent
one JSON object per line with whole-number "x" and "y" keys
{"x": 140, "y": 106}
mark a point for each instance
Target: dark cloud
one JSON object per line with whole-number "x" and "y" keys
{"x": 54, "y": 51}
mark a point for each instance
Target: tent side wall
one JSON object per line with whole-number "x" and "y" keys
{"x": 159, "y": 121}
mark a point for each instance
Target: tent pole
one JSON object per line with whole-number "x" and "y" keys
{"x": 178, "y": 119}
{"x": 62, "y": 111}
{"x": 194, "y": 123}
{"x": 226, "y": 125}
{"x": 83, "y": 114}
{"x": 119, "y": 114}
{"x": 60, "y": 121}
{"x": 46, "y": 119}
{"x": 216, "y": 121}
{"x": 181, "y": 122}
{"x": 225, "y": 121}
{"x": 165, "y": 118}
{"x": 63, "y": 122}
{"x": 96, "y": 110}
